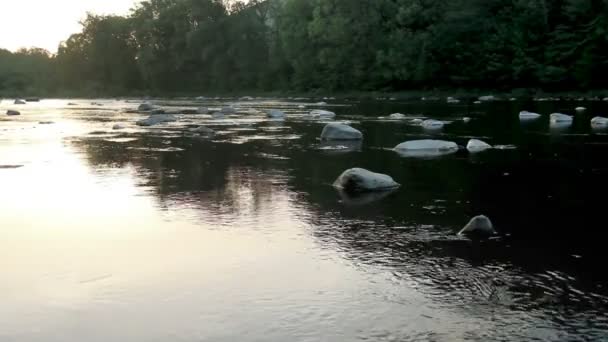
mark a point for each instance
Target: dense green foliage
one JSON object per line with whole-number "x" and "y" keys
{"x": 193, "y": 46}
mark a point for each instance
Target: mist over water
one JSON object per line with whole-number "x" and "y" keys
{"x": 157, "y": 234}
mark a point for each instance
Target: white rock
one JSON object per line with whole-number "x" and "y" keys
{"x": 321, "y": 103}
{"x": 416, "y": 121}
{"x": 145, "y": 107}
{"x": 558, "y": 117}
{"x": 525, "y": 115}
{"x": 118, "y": 126}
{"x": 323, "y": 114}
{"x": 340, "y": 131}
{"x": 426, "y": 148}
{"x": 253, "y": 111}
{"x": 599, "y": 121}
{"x": 605, "y": 99}
{"x": 202, "y": 130}
{"x": 276, "y": 114}
{"x": 12, "y": 112}
{"x": 228, "y": 110}
{"x": 432, "y": 124}
{"x": 477, "y": 102}
{"x": 479, "y": 226}
{"x": 466, "y": 119}
{"x": 202, "y": 110}
{"x": 452, "y": 100}
{"x": 512, "y": 99}
{"x": 476, "y": 145}
{"x": 397, "y": 116}
{"x": 301, "y": 107}
{"x": 19, "y": 102}
{"x": 156, "y": 119}
{"x": 361, "y": 180}
{"x": 487, "y": 98}
{"x": 580, "y": 109}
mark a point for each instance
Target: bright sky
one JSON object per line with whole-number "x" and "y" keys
{"x": 45, "y": 23}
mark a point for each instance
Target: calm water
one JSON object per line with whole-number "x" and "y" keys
{"x": 152, "y": 234}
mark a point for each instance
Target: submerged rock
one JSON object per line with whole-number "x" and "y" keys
{"x": 118, "y": 126}
{"x": 319, "y": 113}
{"x": 480, "y": 226}
{"x": 525, "y": 115}
{"x": 397, "y": 116}
{"x": 145, "y": 107}
{"x": 13, "y": 112}
{"x": 276, "y": 114}
{"x": 362, "y": 180}
{"x": 599, "y": 121}
{"x": 416, "y": 121}
{"x": 156, "y": 119}
{"x": 561, "y": 118}
{"x": 432, "y": 124}
{"x": 475, "y": 146}
{"x": 19, "y": 102}
{"x": 340, "y": 131}
{"x": 487, "y": 98}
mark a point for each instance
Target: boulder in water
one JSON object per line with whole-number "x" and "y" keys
{"x": 397, "y": 116}
{"x": 321, "y": 103}
{"x": 19, "y": 102}
{"x": 118, "y": 126}
{"x": 466, "y": 119}
{"x": 361, "y": 180}
{"x": 452, "y": 100}
{"x": 426, "y": 148}
{"x": 156, "y": 120}
{"x": 301, "y": 107}
{"x": 580, "y": 109}
{"x": 325, "y": 114}
{"x": 340, "y": 131}
{"x": 599, "y": 121}
{"x": 560, "y": 118}
{"x": 487, "y": 98}
{"x": 476, "y": 145}
{"x": 525, "y": 115}
{"x": 432, "y": 124}
{"x": 416, "y": 121}
{"x": 276, "y": 114}
{"x": 32, "y": 99}
{"x": 12, "y": 112}
{"x": 477, "y": 102}
{"x": 480, "y": 226}
{"x": 145, "y": 107}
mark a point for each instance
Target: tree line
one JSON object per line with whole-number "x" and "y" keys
{"x": 196, "y": 46}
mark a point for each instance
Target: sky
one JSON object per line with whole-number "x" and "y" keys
{"x": 45, "y": 23}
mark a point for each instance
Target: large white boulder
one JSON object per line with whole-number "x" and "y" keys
{"x": 426, "y": 148}
{"x": 362, "y": 180}
{"x": 525, "y": 115}
{"x": 145, "y": 107}
{"x": 560, "y": 118}
{"x": 276, "y": 114}
{"x": 397, "y": 116}
{"x": 156, "y": 120}
{"x": 475, "y": 146}
{"x": 478, "y": 226}
{"x": 323, "y": 114}
{"x": 432, "y": 124}
{"x": 599, "y": 121}
{"x": 340, "y": 131}
{"x": 12, "y": 112}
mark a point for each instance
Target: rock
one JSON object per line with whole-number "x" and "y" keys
{"x": 361, "y": 180}
{"x": 605, "y": 99}
{"x": 525, "y": 115}
{"x": 72, "y": 104}
{"x": 397, "y": 116}
{"x": 321, "y": 103}
{"x": 599, "y": 121}
{"x": 32, "y": 99}
{"x": 275, "y": 114}
{"x": 145, "y": 107}
{"x": 560, "y": 118}
{"x": 301, "y": 107}
{"x": 580, "y": 109}
{"x": 118, "y": 126}
{"x": 253, "y": 111}
{"x": 466, "y": 119}
{"x": 13, "y": 112}
{"x": 19, "y": 102}
{"x": 426, "y": 148}
{"x": 480, "y": 226}
{"x": 475, "y": 146}
{"x": 477, "y": 102}
{"x": 324, "y": 114}
{"x": 340, "y": 131}
{"x": 512, "y": 99}
{"x": 96, "y": 104}
{"x": 363, "y": 198}
{"x": 202, "y": 110}
{"x": 487, "y": 98}
{"x": 46, "y": 122}
{"x": 228, "y": 110}
{"x": 432, "y": 124}
{"x": 416, "y": 121}
{"x": 202, "y": 130}
{"x": 156, "y": 119}
{"x": 340, "y": 146}
{"x": 157, "y": 111}
{"x": 452, "y": 100}
{"x": 218, "y": 115}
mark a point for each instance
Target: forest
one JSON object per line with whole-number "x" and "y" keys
{"x": 169, "y": 47}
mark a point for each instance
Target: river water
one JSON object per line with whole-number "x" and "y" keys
{"x": 156, "y": 234}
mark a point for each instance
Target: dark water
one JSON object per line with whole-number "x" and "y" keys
{"x": 153, "y": 234}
